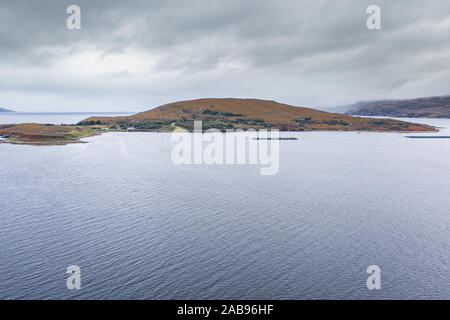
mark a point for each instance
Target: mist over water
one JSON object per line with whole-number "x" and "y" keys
{"x": 140, "y": 227}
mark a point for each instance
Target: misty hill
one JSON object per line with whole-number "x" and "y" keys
{"x": 231, "y": 113}
{"x": 431, "y": 107}
{"x": 5, "y": 110}
{"x": 339, "y": 109}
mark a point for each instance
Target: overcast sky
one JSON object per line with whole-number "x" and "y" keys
{"x": 135, "y": 55}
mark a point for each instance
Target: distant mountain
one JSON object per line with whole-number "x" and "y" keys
{"x": 431, "y": 107}
{"x": 5, "y": 110}
{"x": 234, "y": 113}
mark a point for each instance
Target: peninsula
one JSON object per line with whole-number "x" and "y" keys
{"x": 430, "y": 107}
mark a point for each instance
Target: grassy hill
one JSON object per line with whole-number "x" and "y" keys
{"x": 233, "y": 113}
{"x": 432, "y": 107}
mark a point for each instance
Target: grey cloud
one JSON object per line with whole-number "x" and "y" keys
{"x": 300, "y": 52}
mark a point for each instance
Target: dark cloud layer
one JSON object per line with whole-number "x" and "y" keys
{"x": 133, "y": 55}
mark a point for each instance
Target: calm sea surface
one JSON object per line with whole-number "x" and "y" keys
{"x": 141, "y": 227}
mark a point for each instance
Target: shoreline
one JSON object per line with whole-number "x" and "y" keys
{"x": 79, "y": 139}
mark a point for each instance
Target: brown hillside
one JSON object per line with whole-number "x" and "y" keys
{"x": 251, "y": 113}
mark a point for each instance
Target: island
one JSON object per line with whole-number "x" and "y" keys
{"x": 5, "y": 110}
{"x": 218, "y": 113}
